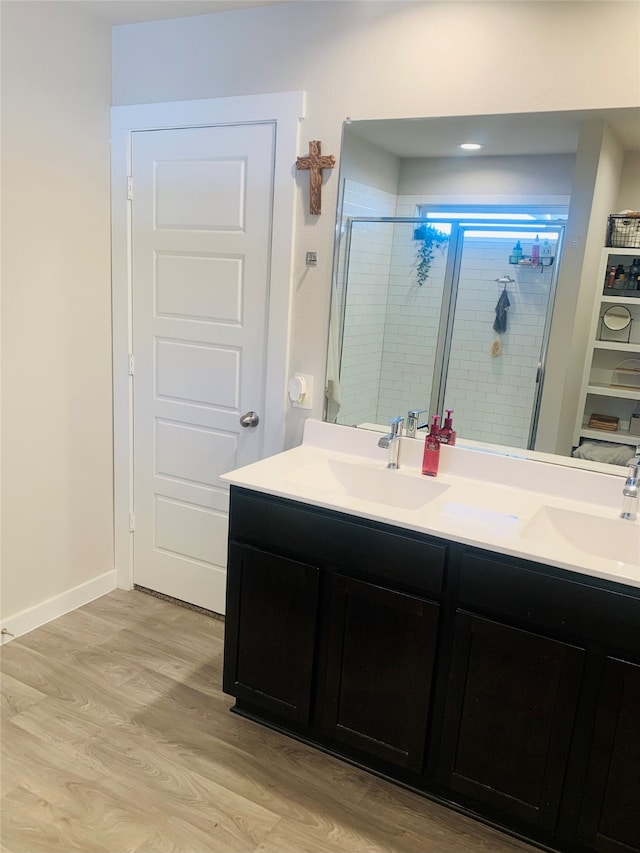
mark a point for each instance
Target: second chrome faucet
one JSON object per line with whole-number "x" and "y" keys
{"x": 413, "y": 421}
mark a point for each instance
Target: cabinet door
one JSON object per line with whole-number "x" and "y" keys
{"x": 510, "y": 708}
{"x": 380, "y": 662}
{"x": 610, "y": 814}
{"x": 270, "y": 629}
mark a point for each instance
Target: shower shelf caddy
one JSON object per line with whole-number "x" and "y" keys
{"x": 598, "y": 394}
{"x": 525, "y": 261}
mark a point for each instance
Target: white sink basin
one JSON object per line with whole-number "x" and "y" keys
{"x": 611, "y": 538}
{"x": 384, "y": 486}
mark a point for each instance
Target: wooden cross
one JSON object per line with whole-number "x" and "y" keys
{"x": 315, "y": 162}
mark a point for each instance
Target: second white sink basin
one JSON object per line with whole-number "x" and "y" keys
{"x": 384, "y": 486}
{"x": 611, "y": 538}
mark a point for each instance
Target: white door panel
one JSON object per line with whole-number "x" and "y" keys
{"x": 201, "y": 225}
{"x": 196, "y": 297}
{"x": 193, "y": 455}
{"x": 197, "y": 373}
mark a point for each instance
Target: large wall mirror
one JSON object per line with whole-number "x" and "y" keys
{"x": 450, "y": 279}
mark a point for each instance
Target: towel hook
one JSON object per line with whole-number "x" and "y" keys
{"x": 505, "y": 280}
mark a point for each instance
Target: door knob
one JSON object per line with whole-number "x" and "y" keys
{"x": 251, "y": 419}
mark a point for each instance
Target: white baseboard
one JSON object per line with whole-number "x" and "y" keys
{"x": 33, "y": 617}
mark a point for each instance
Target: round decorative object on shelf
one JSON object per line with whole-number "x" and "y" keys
{"x": 616, "y": 318}
{"x": 627, "y": 375}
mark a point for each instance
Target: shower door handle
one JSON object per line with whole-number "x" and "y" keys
{"x": 539, "y": 372}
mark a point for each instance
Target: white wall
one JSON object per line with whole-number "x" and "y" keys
{"x": 56, "y": 345}
{"x": 539, "y": 175}
{"x": 377, "y": 60}
{"x": 629, "y": 194}
{"x": 367, "y": 164}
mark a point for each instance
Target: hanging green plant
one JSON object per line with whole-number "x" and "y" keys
{"x": 429, "y": 239}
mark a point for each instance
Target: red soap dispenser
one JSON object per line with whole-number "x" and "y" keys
{"x": 431, "y": 455}
{"x": 447, "y": 433}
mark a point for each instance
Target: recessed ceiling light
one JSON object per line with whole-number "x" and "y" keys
{"x": 470, "y": 146}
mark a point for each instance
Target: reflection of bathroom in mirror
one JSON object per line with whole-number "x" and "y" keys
{"x": 466, "y": 279}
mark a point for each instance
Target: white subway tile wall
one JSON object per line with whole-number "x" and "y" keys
{"x": 493, "y": 397}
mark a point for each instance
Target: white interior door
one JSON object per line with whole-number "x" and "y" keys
{"x": 201, "y": 234}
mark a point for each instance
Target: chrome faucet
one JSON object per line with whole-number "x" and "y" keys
{"x": 413, "y": 421}
{"x": 392, "y": 441}
{"x": 630, "y": 490}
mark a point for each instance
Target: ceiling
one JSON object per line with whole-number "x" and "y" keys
{"x": 137, "y": 11}
{"x": 524, "y": 133}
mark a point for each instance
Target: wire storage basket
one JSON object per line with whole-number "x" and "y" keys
{"x": 623, "y": 231}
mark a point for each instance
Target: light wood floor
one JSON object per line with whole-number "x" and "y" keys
{"x": 116, "y": 737}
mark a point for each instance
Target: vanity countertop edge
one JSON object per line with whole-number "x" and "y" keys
{"x": 479, "y": 499}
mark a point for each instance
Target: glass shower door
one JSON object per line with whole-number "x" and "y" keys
{"x": 493, "y": 379}
{"x": 389, "y": 324}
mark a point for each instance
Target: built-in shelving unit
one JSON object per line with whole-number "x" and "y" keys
{"x": 598, "y": 395}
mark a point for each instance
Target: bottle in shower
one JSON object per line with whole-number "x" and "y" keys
{"x": 546, "y": 254}
{"x": 431, "y": 455}
{"x": 535, "y": 251}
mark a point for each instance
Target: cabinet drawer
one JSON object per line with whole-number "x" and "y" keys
{"x": 560, "y": 604}
{"x": 338, "y": 541}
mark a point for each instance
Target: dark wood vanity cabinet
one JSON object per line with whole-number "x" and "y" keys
{"x": 511, "y": 704}
{"x": 381, "y": 649}
{"x": 505, "y": 687}
{"x": 532, "y": 670}
{"x": 610, "y": 808}
{"x": 272, "y": 611}
{"x": 325, "y": 628}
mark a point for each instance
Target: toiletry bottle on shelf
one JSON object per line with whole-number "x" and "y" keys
{"x": 546, "y": 254}
{"x": 633, "y": 281}
{"x": 535, "y": 251}
{"x": 447, "y": 432}
{"x": 621, "y": 276}
{"x": 431, "y": 455}
{"x": 611, "y": 277}
{"x": 516, "y": 254}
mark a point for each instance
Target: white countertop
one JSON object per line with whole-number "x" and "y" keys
{"x": 561, "y": 516}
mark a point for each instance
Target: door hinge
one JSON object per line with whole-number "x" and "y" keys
{"x": 129, "y": 188}
{"x": 132, "y": 521}
{"x": 131, "y": 364}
